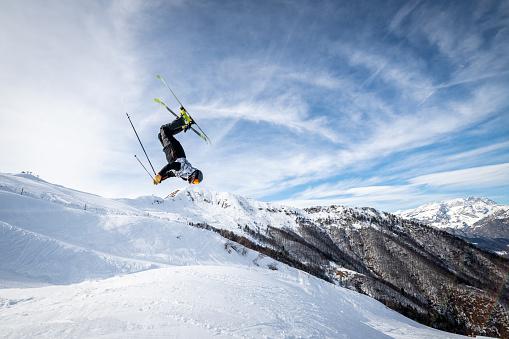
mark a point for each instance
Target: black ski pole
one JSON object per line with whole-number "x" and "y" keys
{"x": 144, "y": 167}
{"x": 141, "y": 143}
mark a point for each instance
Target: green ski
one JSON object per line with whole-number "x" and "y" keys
{"x": 184, "y": 113}
{"x": 188, "y": 118}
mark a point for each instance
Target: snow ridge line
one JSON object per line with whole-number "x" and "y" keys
{"x": 75, "y": 247}
{"x": 83, "y": 207}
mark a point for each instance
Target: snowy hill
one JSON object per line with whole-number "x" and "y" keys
{"x": 479, "y": 220}
{"x": 62, "y": 236}
{"x": 73, "y": 264}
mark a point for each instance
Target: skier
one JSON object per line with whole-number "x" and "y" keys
{"x": 177, "y": 166}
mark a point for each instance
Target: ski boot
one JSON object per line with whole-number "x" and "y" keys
{"x": 187, "y": 119}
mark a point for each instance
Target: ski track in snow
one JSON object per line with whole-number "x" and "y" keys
{"x": 128, "y": 268}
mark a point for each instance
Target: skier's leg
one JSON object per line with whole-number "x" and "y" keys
{"x": 175, "y": 126}
{"x": 171, "y": 146}
{"x": 169, "y": 130}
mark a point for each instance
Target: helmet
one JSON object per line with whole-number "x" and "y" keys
{"x": 196, "y": 177}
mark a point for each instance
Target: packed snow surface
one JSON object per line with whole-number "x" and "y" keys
{"x": 202, "y": 302}
{"x": 77, "y": 265}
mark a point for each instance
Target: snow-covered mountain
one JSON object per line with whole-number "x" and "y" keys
{"x": 456, "y": 214}
{"x": 202, "y": 264}
{"x": 479, "y": 220}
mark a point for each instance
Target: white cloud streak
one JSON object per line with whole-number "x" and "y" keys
{"x": 410, "y": 194}
{"x": 66, "y": 78}
{"x": 294, "y": 99}
{"x": 478, "y": 177}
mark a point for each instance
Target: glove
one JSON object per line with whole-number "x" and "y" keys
{"x": 157, "y": 179}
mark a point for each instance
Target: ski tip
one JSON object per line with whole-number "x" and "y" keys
{"x": 207, "y": 140}
{"x": 158, "y": 76}
{"x": 157, "y": 100}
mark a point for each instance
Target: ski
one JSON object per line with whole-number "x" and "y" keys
{"x": 185, "y": 113}
{"x": 202, "y": 134}
{"x": 160, "y": 77}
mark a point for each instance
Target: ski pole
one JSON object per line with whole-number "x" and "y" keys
{"x": 141, "y": 144}
{"x": 144, "y": 167}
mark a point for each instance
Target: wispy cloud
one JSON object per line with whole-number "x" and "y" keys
{"x": 478, "y": 177}
{"x": 310, "y": 102}
{"x": 68, "y": 74}
{"x": 402, "y": 14}
{"x": 414, "y": 192}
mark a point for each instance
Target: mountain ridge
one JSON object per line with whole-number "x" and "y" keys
{"x": 404, "y": 264}
{"x": 479, "y": 220}
{"x": 456, "y": 213}
{"x": 351, "y": 238}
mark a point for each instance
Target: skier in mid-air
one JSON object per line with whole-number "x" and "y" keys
{"x": 177, "y": 166}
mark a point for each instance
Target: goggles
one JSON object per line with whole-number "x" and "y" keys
{"x": 195, "y": 178}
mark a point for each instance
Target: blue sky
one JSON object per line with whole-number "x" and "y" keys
{"x": 387, "y": 104}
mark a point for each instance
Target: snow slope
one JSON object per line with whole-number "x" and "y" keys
{"x": 101, "y": 268}
{"x": 202, "y": 302}
{"x": 47, "y": 234}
